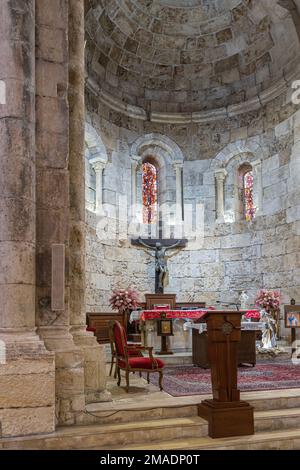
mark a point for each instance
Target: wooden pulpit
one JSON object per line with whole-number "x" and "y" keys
{"x": 226, "y": 414}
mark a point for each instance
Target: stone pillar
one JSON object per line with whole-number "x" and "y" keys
{"x": 134, "y": 167}
{"x": 220, "y": 176}
{"x": 98, "y": 166}
{"x": 135, "y": 209}
{"x": 27, "y": 389}
{"x": 94, "y": 354}
{"x": 53, "y": 203}
{"x": 178, "y": 171}
{"x": 257, "y": 186}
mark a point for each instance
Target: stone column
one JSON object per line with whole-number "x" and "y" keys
{"x": 94, "y": 354}
{"x": 135, "y": 209}
{"x": 53, "y": 203}
{"x": 257, "y": 186}
{"x": 98, "y": 166}
{"x": 178, "y": 171}
{"x": 220, "y": 176}
{"x": 134, "y": 167}
{"x": 27, "y": 390}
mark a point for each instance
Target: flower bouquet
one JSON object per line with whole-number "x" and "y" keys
{"x": 268, "y": 300}
{"x": 252, "y": 315}
{"x": 124, "y": 300}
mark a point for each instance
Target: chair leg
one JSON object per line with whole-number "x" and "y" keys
{"x": 116, "y": 370}
{"x": 119, "y": 375}
{"x": 148, "y": 377}
{"x": 127, "y": 381}
{"x": 111, "y": 365}
{"x": 140, "y": 374}
{"x": 160, "y": 379}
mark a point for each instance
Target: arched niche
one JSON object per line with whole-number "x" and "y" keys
{"x": 96, "y": 160}
{"x": 168, "y": 159}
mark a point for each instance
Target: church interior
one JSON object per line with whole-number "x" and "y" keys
{"x": 150, "y": 225}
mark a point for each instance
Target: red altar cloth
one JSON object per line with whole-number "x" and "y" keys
{"x": 191, "y": 314}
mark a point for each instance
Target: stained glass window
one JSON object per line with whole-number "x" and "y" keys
{"x": 249, "y": 208}
{"x": 149, "y": 194}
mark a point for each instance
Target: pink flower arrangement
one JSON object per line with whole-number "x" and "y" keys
{"x": 253, "y": 314}
{"x": 268, "y": 299}
{"x": 124, "y": 299}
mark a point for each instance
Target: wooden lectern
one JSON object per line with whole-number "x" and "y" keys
{"x": 226, "y": 414}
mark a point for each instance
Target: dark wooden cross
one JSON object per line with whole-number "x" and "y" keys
{"x": 160, "y": 246}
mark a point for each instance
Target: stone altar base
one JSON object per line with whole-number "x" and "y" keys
{"x": 181, "y": 342}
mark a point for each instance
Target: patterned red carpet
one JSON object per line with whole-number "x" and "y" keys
{"x": 188, "y": 380}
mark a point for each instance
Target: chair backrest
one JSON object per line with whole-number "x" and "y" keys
{"x": 120, "y": 340}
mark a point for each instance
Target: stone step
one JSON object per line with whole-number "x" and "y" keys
{"x": 139, "y": 414}
{"x": 275, "y": 420}
{"x": 112, "y": 435}
{"x": 273, "y": 400}
{"x": 274, "y": 440}
{"x": 179, "y": 407}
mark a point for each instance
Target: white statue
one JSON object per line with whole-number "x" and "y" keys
{"x": 244, "y": 300}
{"x": 269, "y": 333}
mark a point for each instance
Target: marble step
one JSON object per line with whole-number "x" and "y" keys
{"x": 112, "y": 435}
{"x": 271, "y": 440}
{"x": 274, "y": 420}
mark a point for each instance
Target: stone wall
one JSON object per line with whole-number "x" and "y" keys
{"x": 235, "y": 256}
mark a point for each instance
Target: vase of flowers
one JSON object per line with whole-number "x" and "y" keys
{"x": 252, "y": 315}
{"x": 268, "y": 300}
{"x": 124, "y": 300}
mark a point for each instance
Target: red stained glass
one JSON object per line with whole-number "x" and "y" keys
{"x": 249, "y": 207}
{"x": 149, "y": 194}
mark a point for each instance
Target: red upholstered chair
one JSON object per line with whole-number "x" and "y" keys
{"x": 134, "y": 364}
{"x": 133, "y": 349}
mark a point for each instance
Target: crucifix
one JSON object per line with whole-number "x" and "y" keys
{"x": 160, "y": 247}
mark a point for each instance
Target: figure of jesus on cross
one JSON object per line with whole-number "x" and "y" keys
{"x": 160, "y": 247}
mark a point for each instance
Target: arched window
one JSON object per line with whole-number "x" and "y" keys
{"x": 150, "y": 193}
{"x": 246, "y": 185}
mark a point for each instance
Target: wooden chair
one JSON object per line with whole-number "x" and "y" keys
{"x": 133, "y": 349}
{"x": 126, "y": 362}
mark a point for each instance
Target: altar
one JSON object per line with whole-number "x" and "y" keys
{"x": 181, "y": 339}
{"x": 189, "y": 333}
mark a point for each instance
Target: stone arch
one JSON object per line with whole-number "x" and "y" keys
{"x": 232, "y": 150}
{"x": 94, "y": 144}
{"x": 158, "y": 145}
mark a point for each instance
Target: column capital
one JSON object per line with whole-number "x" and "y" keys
{"x": 256, "y": 165}
{"x": 221, "y": 174}
{"x": 178, "y": 165}
{"x": 135, "y": 158}
{"x": 134, "y": 163}
{"x": 97, "y": 165}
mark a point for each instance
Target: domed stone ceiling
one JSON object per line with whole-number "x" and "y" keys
{"x": 187, "y": 56}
